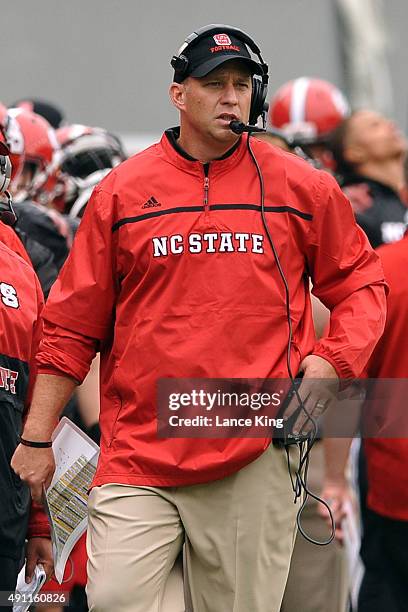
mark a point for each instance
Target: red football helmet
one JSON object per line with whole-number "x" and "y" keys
{"x": 308, "y": 108}
{"x": 40, "y": 149}
{"x": 12, "y": 136}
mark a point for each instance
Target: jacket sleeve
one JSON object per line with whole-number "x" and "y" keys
{"x": 38, "y": 525}
{"x": 79, "y": 311}
{"x": 348, "y": 278}
{"x": 64, "y": 352}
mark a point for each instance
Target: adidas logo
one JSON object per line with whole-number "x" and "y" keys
{"x": 151, "y": 203}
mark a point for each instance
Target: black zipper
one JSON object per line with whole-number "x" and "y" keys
{"x": 206, "y": 168}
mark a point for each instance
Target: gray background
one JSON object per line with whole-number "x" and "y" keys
{"x": 106, "y": 62}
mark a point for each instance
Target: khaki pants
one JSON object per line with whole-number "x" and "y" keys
{"x": 318, "y": 576}
{"x": 238, "y": 534}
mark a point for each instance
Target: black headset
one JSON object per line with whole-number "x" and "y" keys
{"x": 7, "y": 214}
{"x": 5, "y": 168}
{"x": 259, "y": 85}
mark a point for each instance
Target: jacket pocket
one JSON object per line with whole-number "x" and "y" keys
{"x": 118, "y": 403}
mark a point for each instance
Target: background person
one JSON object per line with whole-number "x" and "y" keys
{"x": 309, "y": 110}
{"x": 384, "y": 549}
{"x": 20, "y": 328}
{"x": 370, "y": 152}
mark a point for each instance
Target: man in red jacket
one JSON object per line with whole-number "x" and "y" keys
{"x": 21, "y": 301}
{"x": 20, "y": 304}
{"x": 175, "y": 273}
{"x": 384, "y": 549}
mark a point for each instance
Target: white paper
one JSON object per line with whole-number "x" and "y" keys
{"x": 76, "y": 456}
{"x": 28, "y": 590}
{"x": 352, "y": 541}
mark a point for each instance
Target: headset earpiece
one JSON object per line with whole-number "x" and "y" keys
{"x": 5, "y": 172}
{"x": 179, "y": 63}
{"x": 259, "y": 105}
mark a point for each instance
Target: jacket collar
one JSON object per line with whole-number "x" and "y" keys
{"x": 180, "y": 158}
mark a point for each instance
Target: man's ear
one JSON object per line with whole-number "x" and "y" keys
{"x": 177, "y": 95}
{"x": 354, "y": 155}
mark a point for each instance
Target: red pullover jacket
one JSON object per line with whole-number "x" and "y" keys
{"x": 21, "y": 301}
{"x": 387, "y": 457}
{"x": 171, "y": 275}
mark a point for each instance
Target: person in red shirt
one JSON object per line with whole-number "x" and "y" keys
{"x": 21, "y": 301}
{"x": 384, "y": 549}
{"x": 174, "y": 274}
{"x": 20, "y": 304}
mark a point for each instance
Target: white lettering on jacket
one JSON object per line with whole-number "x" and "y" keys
{"x": 8, "y": 380}
{"x": 214, "y": 242}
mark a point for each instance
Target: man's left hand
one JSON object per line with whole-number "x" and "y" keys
{"x": 317, "y": 390}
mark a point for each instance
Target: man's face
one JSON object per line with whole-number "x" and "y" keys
{"x": 209, "y": 103}
{"x": 372, "y": 137}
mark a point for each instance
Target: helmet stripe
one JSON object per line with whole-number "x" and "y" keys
{"x": 298, "y": 100}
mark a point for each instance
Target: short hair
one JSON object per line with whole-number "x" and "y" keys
{"x": 337, "y": 145}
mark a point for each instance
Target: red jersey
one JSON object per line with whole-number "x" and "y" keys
{"x": 171, "y": 274}
{"x": 387, "y": 459}
{"x": 20, "y": 328}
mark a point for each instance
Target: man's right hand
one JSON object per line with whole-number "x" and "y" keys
{"x": 36, "y": 467}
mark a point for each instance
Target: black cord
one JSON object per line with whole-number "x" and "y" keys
{"x": 300, "y": 482}
{"x": 275, "y": 254}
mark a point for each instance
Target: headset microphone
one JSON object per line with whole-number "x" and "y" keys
{"x": 239, "y": 128}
